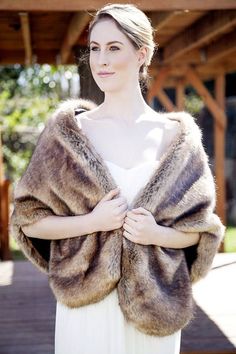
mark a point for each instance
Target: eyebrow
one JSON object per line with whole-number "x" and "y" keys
{"x": 107, "y": 42}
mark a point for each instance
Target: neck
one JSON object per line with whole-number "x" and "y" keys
{"x": 124, "y": 105}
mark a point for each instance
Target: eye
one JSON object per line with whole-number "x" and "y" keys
{"x": 93, "y": 48}
{"x": 113, "y": 47}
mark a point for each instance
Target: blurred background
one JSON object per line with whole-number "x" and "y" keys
{"x": 43, "y": 60}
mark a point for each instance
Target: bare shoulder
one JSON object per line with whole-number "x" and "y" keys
{"x": 171, "y": 125}
{"x": 170, "y": 128}
{"x": 89, "y": 115}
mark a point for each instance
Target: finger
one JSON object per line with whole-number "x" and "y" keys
{"x": 123, "y": 215}
{"x": 128, "y": 228}
{"x": 140, "y": 210}
{"x": 130, "y": 222}
{"x": 111, "y": 194}
{"x": 119, "y": 201}
{"x": 129, "y": 236}
{"x": 123, "y": 209}
{"x": 134, "y": 216}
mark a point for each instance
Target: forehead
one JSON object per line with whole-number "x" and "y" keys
{"x": 105, "y": 31}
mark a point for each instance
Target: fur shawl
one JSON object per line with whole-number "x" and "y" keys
{"x": 67, "y": 176}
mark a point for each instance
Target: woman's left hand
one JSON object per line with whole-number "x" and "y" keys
{"x": 140, "y": 226}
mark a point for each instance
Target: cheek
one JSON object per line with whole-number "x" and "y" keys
{"x": 122, "y": 62}
{"x": 124, "y": 66}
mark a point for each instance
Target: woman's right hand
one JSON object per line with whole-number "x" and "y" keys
{"x": 109, "y": 213}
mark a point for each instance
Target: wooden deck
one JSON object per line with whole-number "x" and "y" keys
{"x": 27, "y": 311}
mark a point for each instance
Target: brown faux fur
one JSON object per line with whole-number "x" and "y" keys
{"x": 67, "y": 176}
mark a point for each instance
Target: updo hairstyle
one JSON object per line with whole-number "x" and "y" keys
{"x": 135, "y": 25}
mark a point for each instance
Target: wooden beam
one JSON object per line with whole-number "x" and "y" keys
{"x": 209, "y": 72}
{"x": 76, "y": 27}
{"x": 25, "y": 28}
{"x": 201, "y": 32}
{"x": 158, "y": 83}
{"x": 13, "y": 57}
{"x": 212, "y": 105}
{"x": 156, "y": 90}
{"x": 162, "y": 19}
{"x": 165, "y": 101}
{"x": 225, "y": 46}
{"x": 219, "y": 145}
{"x": 206, "y": 69}
{"x": 171, "y": 26}
{"x": 148, "y": 5}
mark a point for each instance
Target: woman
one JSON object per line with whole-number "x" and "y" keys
{"x": 132, "y": 140}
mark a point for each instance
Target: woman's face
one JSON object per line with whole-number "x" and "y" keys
{"x": 111, "y": 52}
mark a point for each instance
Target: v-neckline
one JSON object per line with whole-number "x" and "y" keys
{"x": 155, "y": 162}
{"x": 96, "y": 155}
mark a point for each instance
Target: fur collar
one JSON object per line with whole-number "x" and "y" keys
{"x": 67, "y": 176}
{"x": 189, "y": 136}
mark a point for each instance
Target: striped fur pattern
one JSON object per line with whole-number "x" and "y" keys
{"x": 66, "y": 176}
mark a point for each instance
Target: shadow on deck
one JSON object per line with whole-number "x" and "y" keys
{"x": 28, "y": 308}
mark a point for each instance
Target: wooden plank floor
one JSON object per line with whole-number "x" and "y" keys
{"x": 27, "y": 311}
{"x": 214, "y": 327}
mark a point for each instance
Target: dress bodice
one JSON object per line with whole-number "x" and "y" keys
{"x": 133, "y": 179}
{"x": 115, "y": 334}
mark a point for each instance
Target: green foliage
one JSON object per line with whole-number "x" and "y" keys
{"x": 230, "y": 239}
{"x": 8, "y": 79}
{"x": 43, "y": 80}
{"x": 193, "y": 104}
{"x": 16, "y": 252}
{"x": 28, "y": 96}
{"x": 21, "y": 120}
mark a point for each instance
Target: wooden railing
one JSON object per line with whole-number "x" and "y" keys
{"x": 5, "y": 253}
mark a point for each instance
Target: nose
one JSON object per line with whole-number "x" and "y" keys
{"x": 103, "y": 57}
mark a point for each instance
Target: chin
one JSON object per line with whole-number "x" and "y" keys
{"x": 109, "y": 88}
{"x": 109, "y": 85}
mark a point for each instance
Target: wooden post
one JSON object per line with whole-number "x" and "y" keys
{"x": 4, "y": 212}
{"x": 216, "y": 108}
{"x": 180, "y": 95}
{"x": 26, "y": 34}
{"x": 219, "y": 144}
{"x": 5, "y": 253}
{"x": 1, "y": 198}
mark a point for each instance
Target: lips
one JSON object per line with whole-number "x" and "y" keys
{"x": 104, "y": 74}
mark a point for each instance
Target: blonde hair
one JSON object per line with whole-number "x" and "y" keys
{"x": 135, "y": 25}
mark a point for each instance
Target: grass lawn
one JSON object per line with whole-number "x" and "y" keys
{"x": 15, "y": 250}
{"x": 230, "y": 239}
{"x": 230, "y": 244}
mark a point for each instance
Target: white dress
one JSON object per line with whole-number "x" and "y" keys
{"x": 100, "y": 328}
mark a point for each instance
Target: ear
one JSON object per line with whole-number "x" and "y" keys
{"x": 142, "y": 54}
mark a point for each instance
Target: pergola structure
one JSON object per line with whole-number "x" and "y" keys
{"x": 196, "y": 40}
